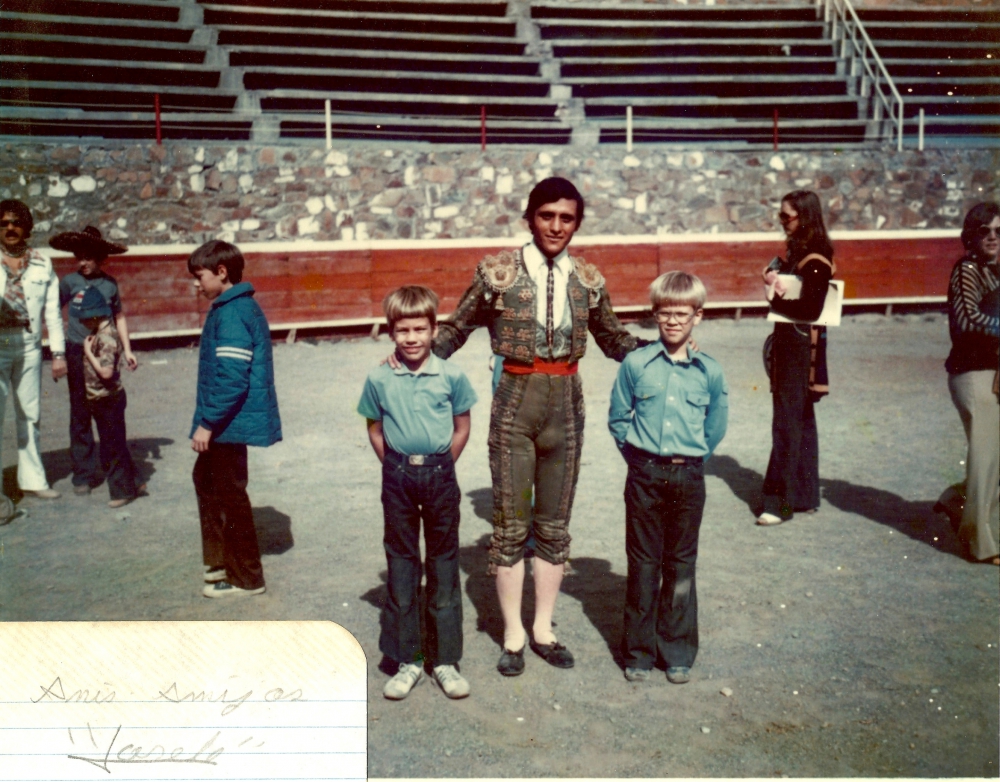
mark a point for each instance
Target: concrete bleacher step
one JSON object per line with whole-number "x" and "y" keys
{"x": 414, "y": 82}
{"x": 334, "y": 40}
{"x": 724, "y": 86}
{"x": 88, "y": 27}
{"x": 365, "y": 59}
{"x": 834, "y": 108}
{"x": 649, "y": 13}
{"x": 94, "y": 70}
{"x": 594, "y": 67}
{"x": 411, "y": 105}
{"x": 82, "y": 48}
{"x": 111, "y": 97}
{"x": 271, "y": 17}
{"x": 596, "y": 30}
{"x": 680, "y": 48}
{"x": 446, "y": 8}
{"x": 143, "y": 10}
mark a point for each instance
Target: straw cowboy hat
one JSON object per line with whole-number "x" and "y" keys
{"x": 88, "y": 244}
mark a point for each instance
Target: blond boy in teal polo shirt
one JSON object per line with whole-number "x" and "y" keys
{"x": 418, "y": 423}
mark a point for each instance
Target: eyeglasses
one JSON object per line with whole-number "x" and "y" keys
{"x": 10, "y": 223}
{"x": 987, "y": 230}
{"x": 665, "y": 316}
{"x": 786, "y": 218}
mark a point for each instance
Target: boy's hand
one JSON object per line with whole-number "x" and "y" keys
{"x": 693, "y": 345}
{"x": 199, "y": 442}
{"x": 131, "y": 360}
{"x": 392, "y": 360}
{"x": 88, "y": 345}
{"x": 770, "y": 277}
{"x": 59, "y": 368}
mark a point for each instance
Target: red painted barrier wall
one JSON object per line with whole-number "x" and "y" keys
{"x": 299, "y": 285}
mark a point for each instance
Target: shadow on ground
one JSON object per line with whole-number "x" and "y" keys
{"x": 145, "y": 451}
{"x": 274, "y": 530}
{"x": 915, "y": 519}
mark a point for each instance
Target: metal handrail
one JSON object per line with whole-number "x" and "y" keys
{"x": 846, "y": 27}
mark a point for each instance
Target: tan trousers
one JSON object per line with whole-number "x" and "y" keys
{"x": 972, "y": 393}
{"x": 536, "y": 436}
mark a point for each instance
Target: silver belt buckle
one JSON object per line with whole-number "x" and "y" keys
{"x": 415, "y": 459}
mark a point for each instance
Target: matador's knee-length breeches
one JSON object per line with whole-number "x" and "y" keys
{"x": 536, "y": 436}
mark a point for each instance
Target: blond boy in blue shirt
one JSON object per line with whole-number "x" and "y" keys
{"x": 669, "y": 409}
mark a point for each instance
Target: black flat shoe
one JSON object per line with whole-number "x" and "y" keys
{"x": 554, "y": 654}
{"x": 511, "y": 663}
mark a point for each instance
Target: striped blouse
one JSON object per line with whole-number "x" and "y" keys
{"x": 973, "y": 317}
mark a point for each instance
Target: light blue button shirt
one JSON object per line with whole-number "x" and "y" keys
{"x": 667, "y": 407}
{"x": 417, "y": 409}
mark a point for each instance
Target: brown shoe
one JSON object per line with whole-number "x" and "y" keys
{"x": 121, "y": 502}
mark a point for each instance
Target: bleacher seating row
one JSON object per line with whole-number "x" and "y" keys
{"x": 415, "y": 70}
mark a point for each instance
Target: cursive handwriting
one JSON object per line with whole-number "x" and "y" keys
{"x": 132, "y": 753}
{"x": 57, "y": 693}
{"x": 173, "y": 695}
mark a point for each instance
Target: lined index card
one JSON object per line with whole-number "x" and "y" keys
{"x": 181, "y": 701}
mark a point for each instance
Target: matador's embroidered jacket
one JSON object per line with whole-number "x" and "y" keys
{"x": 502, "y": 298}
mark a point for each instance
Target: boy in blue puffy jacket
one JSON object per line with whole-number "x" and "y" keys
{"x": 237, "y": 406}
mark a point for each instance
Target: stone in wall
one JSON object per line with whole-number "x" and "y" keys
{"x": 180, "y": 193}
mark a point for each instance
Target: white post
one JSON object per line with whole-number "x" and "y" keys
{"x": 920, "y": 131}
{"x": 899, "y": 127}
{"x": 329, "y": 129}
{"x": 628, "y": 128}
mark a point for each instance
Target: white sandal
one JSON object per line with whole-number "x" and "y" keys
{"x": 769, "y": 520}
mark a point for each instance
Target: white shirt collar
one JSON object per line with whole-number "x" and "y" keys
{"x": 534, "y": 259}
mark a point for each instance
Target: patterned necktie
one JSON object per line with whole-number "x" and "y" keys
{"x": 550, "y": 294}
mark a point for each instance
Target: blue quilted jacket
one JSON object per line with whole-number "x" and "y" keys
{"x": 236, "y": 395}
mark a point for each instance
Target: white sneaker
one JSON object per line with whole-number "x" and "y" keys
{"x": 399, "y": 686}
{"x": 451, "y": 681}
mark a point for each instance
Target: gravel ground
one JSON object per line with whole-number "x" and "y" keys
{"x": 856, "y": 642}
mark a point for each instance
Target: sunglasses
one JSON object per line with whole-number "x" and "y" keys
{"x": 985, "y": 230}
{"x": 786, "y": 218}
{"x": 10, "y": 224}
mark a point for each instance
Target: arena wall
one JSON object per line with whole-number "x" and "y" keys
{"x": 328, "y": 233}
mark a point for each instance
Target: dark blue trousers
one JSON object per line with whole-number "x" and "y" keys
{"x": 82, "y": 448}
{"x": 663, "y": 508}
{"x": 411, "y": 494}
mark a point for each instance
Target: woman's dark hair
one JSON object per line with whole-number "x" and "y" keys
{"x": 216, "y": 253}
{"x": 21, "y": 211}
{"x": 980, "y": 215}
{"x": 810, "y": 237}
{"x": 551, "y": 190}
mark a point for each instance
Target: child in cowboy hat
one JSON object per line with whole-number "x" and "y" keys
{"x": 91, "y": 250}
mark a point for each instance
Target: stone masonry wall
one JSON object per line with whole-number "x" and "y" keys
{"x": 180, "y": 193}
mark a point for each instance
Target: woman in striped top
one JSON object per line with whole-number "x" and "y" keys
{"x": 974, "y": 323}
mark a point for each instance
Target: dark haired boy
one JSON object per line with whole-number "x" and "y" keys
{"x": 236, "y": 406}
{"x": 91, "y": 251}
{"x": 102, "y": 353}
{"x": 418, "y": 423}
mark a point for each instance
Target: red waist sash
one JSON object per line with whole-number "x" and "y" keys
{"x": 542, "y": 366}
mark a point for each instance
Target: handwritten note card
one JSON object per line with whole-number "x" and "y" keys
{"x": 181, "y": 701}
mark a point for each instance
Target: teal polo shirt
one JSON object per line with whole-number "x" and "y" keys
{"x": 417, "y": 409}
{"x": 667, "y": 407}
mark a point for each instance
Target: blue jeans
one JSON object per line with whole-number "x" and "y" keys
{"x": 663, "y": 508}
{"x": 411, "y": 494}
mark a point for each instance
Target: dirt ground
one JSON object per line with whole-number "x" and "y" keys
{"x": 856, "y": 642}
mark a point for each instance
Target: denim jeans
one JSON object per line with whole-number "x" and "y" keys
{"x": 82, "y": 448}
{"x": 663, "y": 508}
{"x": 228, "y": 535}
{"x": 411, "y": 494}
{"x": 109, "y": 413}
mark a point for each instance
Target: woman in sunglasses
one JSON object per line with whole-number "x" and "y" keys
{"x": 797, "y": 363}
{"x": 29, "y": 294}
{"x": 974, "y": 323}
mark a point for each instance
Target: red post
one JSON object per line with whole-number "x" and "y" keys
{"x": 156, "y": 110}
{"x": 482, "y": 126}
{"x": 776, "y": 129}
